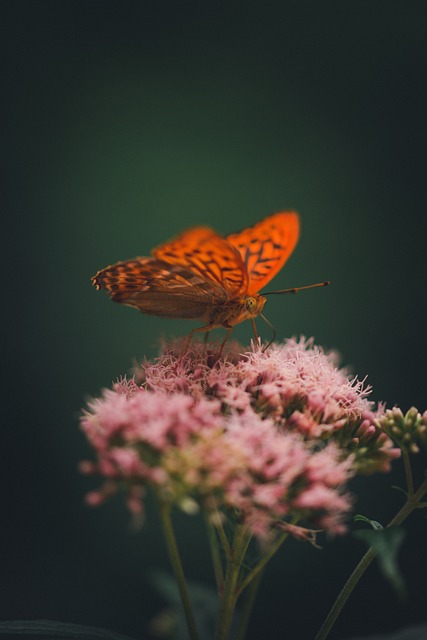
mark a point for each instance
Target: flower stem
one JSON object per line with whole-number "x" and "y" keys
{"x": 408, "y": 473}
{"x": 262, "y": 563}
{"x": 175, "y": 559}
{"x": 222, "y": 535}
{"x": 229, "y": 595}
{"x": 249, "y": 603}
{"x": 252, "y": 581}
{"x": 215, "y": 553}
{"x": 410, "y": 505}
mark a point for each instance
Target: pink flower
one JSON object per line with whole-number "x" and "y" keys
{"x": 156, "y": 419}
{"x": 280, "y": 470}
{"x": 296, "y": 383}
{"x": 269, "y": 435}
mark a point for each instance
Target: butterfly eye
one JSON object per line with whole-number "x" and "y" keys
{"x": 250, "y": 303}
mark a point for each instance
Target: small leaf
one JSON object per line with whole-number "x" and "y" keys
{"x": 377, "y": 526}
{"x": 400, "y": 489}
{"x": 387, "y": 542}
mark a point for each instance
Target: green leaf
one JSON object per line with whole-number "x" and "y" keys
{"x": 387, "y": 542}
{"x": 377, "y": 526}
{"x": 55, "y": 630}
{"x": 400, "y": 489}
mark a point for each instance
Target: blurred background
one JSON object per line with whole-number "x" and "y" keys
{"x": 123, "y": 124}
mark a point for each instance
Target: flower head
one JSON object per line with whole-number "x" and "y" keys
{"x": 271, "y": 437}
{"x": 408, "y": 431}
{"x": 296, "y": 384}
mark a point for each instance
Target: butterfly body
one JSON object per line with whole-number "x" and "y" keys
{"x": 236, "y": 311}
{"x": 203, "y": 275}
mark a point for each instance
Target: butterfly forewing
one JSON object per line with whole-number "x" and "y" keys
{"x": 158, "y": 288}
{"x": 208, "y": 255}
{"x": 266, "y": 246}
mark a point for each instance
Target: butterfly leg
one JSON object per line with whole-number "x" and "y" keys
{"x": 205, "y": 341}
{"x": 264, "y": 349}
{"x": 227, "y": 335}
{"x": 257, "y": 338}
{"x": 206, "y": 329}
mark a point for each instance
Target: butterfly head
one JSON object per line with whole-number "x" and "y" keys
{"x": 248, "y": 308}
{"x": 253, "y": 305}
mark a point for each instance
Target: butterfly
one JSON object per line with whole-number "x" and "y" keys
{"x": 203, "y": 275}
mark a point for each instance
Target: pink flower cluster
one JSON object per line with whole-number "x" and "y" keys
{"x": 296, "y": 384}
{"x": 271, "y": 436}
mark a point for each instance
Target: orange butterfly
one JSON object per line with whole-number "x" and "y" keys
{"x": 202, "y": 275}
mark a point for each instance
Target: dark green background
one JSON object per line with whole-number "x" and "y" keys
{"x": 126, "y": 122}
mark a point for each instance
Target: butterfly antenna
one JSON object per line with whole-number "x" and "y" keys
{"x": 297, "y": 289}
{"x": 264, "y": 349}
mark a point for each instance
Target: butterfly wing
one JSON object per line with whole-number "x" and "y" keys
{"x": 158, "y": 288}
{"x": 207, "y": 254}
{"x": 266, "y": 246}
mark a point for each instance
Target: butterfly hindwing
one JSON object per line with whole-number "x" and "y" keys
{"x": 266, "y": 246}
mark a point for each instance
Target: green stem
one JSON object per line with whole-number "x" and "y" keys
{"x": 175, "y": 559}
{"x": 411, "y": 504}
{"x": 215, "y": 552}
{"x": 222, "y": 535}
{"x": 408, "y": 473}
{"x": 248, "y": 606}
{"x": 262, "y": 563}
{"x": 229, "y": 596}
{"x": 253, "y": 580}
